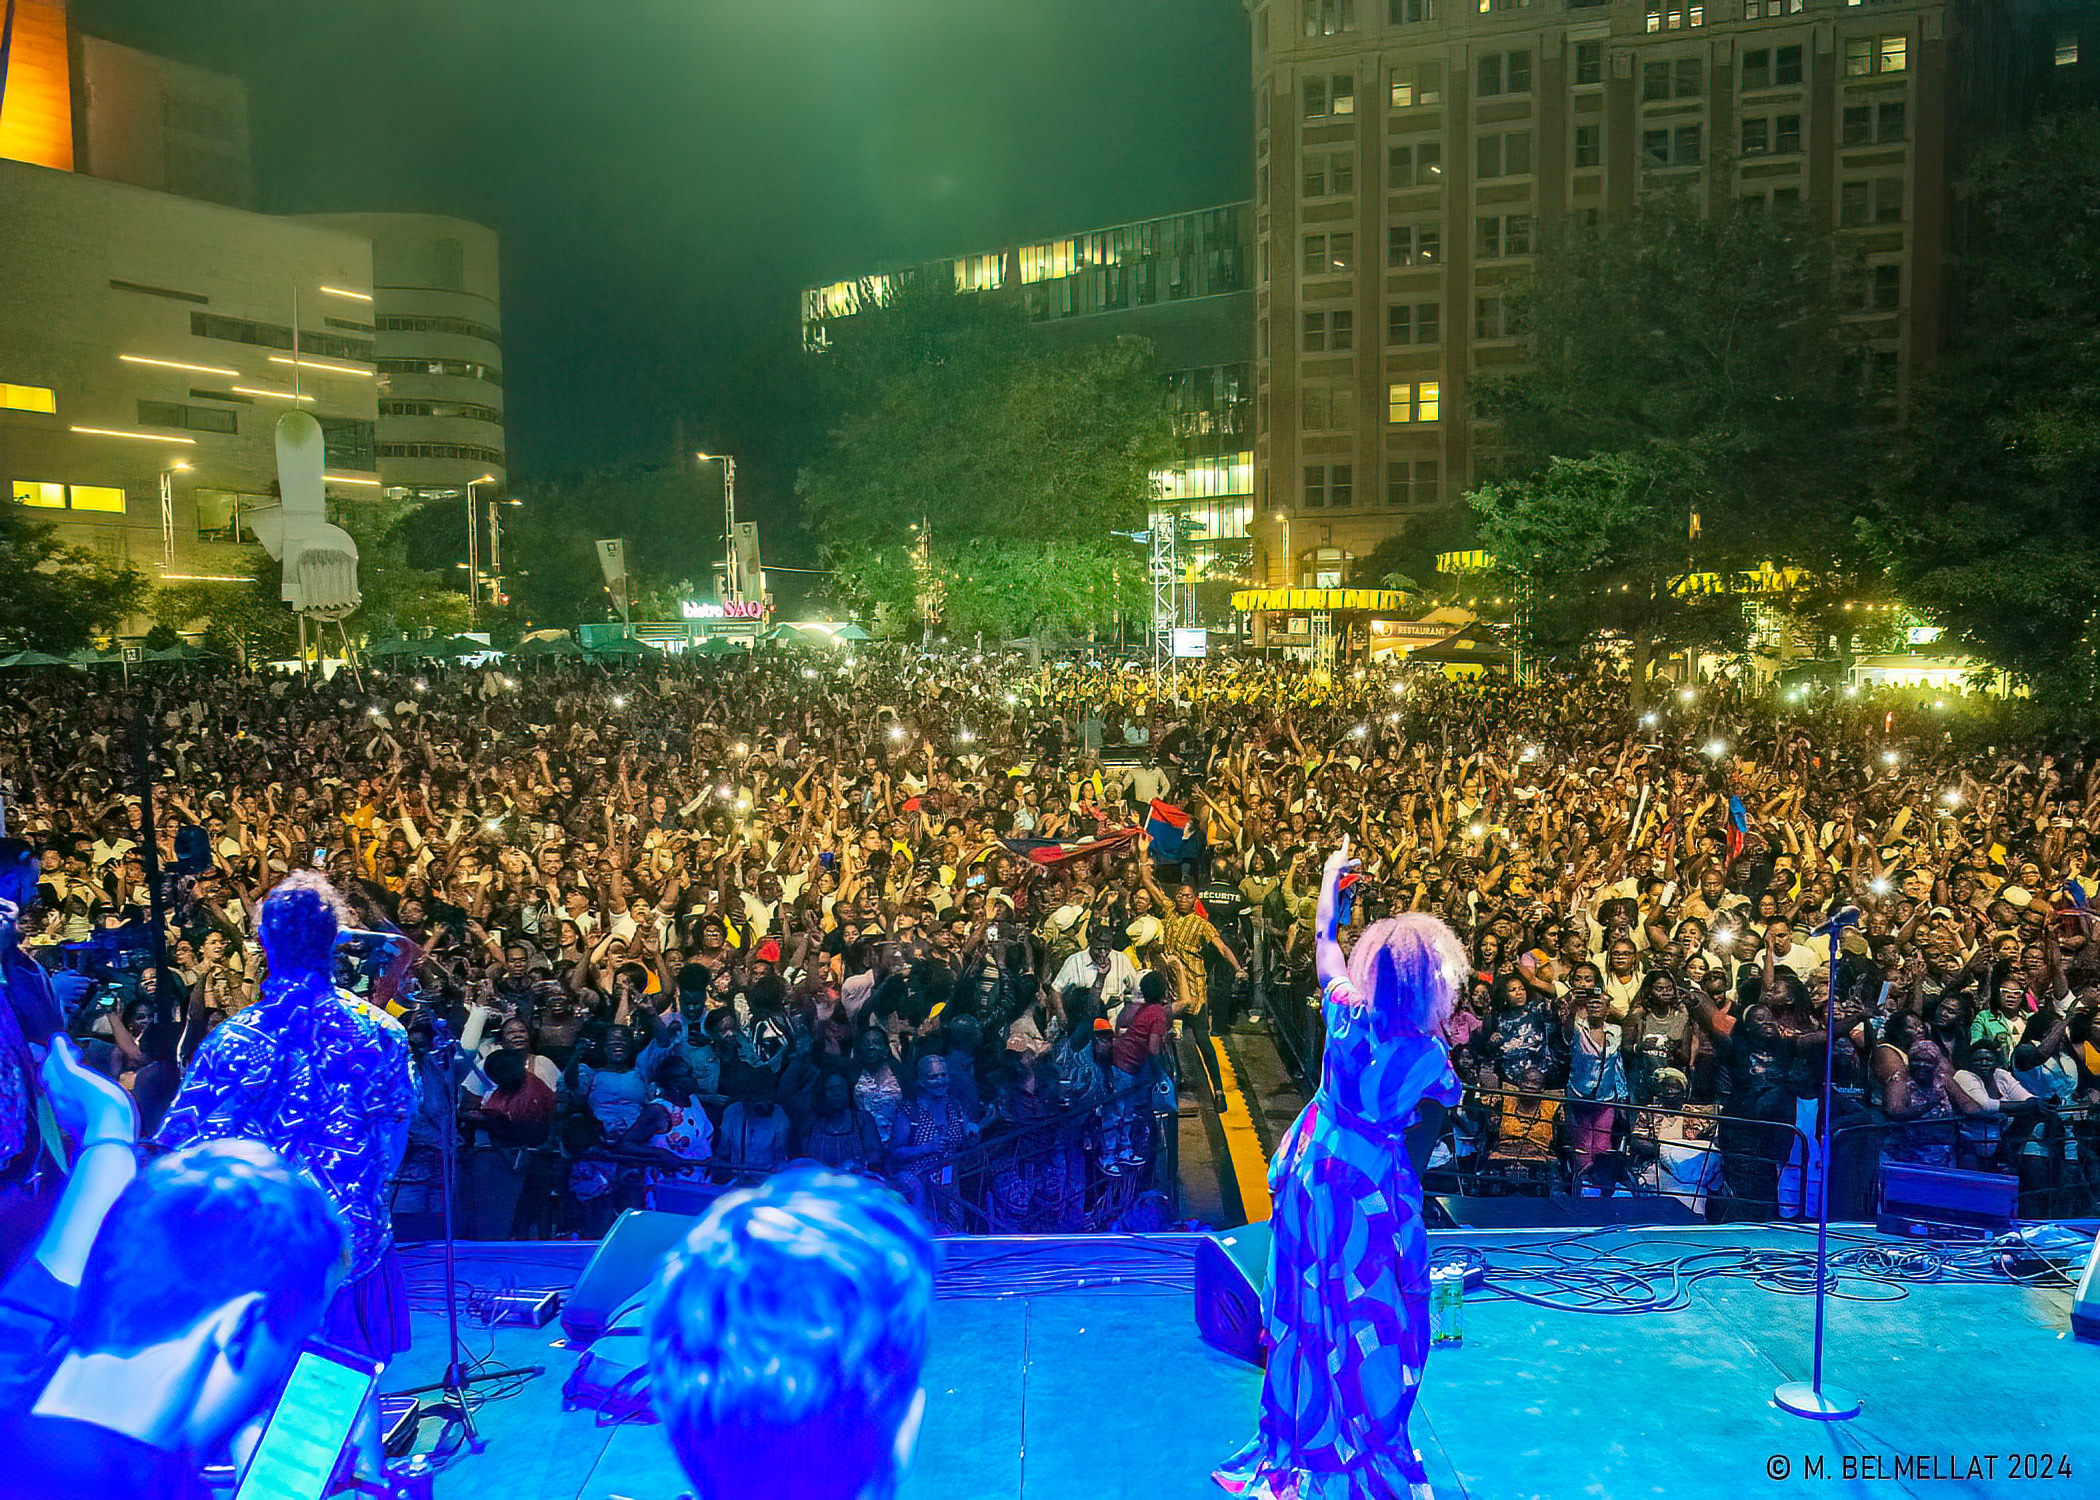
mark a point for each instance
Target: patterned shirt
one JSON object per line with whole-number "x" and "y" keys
{"x": 323, "y": 1080}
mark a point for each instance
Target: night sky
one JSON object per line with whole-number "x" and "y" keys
{"x": 666, "y": 175}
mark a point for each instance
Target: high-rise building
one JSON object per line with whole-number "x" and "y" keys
{"x": 152, "y": 327}
{"x": 1183, "y": 282}
{"x": 437, "y": 318}
{"x": 1409, "y": 154}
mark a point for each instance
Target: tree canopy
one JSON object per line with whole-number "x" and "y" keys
{"x": 57, "y": 596}
{"x": 1018, "y": 456}
{"x": 1988, "y": 523}
{"x": 1688, "y": 407}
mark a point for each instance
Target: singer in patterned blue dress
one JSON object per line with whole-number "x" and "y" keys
{"x": 1347, "y": 1301}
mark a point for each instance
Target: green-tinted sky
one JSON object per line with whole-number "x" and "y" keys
{"x": 666, "y": 174}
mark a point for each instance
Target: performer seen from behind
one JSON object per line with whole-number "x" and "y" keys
{"x": 322, "y": 1079}
{"x": 1347, "y": 1298}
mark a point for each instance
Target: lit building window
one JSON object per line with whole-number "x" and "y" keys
{"x": 97, "y": 497}
{"x": 1412, "y": 401}
{"x": 47, "y": 496}
{"x": 2067, "y": 51}
{"x": 28, "y": 398}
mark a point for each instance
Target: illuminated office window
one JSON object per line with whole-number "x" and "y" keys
{"x": 98, "y": 497}
{"x": 28, "y": 398}
{"x": 42, "y": 495}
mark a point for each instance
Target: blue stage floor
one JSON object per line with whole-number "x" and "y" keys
{"x": 1107, "y": 1392}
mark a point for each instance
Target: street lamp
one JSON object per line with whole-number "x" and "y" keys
{"x": 732, "y": 585}
{"x": 474, "y": 552}
{"x": 496, "y": 549}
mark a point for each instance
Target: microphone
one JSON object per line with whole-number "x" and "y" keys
{"x": 1837, "y": 921}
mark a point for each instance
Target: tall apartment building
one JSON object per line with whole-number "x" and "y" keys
{"x": 1410, "y": 154}
{"x": 1182, "y": 281}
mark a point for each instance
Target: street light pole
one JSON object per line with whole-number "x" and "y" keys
{"x": 732, "y": 582}
{"x": 474, "y": 552}
{"x": 473, "y": 558}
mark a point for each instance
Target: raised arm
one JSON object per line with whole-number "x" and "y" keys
{"x": 1327, "y": 948}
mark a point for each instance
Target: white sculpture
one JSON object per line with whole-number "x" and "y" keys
{"x": 320, "y": 560}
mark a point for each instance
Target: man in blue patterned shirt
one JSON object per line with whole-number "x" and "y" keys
{"x": 323, "y": 1080}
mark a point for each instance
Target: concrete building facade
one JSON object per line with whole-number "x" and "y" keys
{"x": 152, "y": 327}
{"x": 146, "y": 352}
{"x": 437, "y": 318}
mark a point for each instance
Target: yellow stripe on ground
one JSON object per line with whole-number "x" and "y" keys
{"x": 1250, "y": 1168}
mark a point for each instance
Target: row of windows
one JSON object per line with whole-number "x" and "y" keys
{"x": 1874, "y": 288}
{"x": 1420, "y": 84}
{"x": 348, "y": 325}
{"x": 441, "y": 450}
{"x": 464, "y": 368}
{"x": 1408, "y": 482}
{"x": 277, "y": 336}
{"x": 441, "y": 409}
{"x": 28, "y": 398}
{"x": 1494, "y": 317}
{"x": 1332, "y": 408}
{"x": 190, "y": 418}
{"x": 45, "y": 495}
{"x": 435, "y": 323}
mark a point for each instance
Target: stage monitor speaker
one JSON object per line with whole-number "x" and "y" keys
{"x": 1939, "y": 1202}
{"x": 2085, "y": 1303}
{"x": 624, "y": 1263}
{"x": 1231, "y": 1268}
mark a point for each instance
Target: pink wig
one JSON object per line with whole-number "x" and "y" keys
{"x": 1407, "y": 972}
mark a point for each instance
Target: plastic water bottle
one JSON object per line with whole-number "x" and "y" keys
{"x": 1447, "y": 1307}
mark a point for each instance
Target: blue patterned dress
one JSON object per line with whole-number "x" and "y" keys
{"x": 321, "y": 1079}
{"x": 1348, "y": 1292}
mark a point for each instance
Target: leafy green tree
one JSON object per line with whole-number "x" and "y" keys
{"x": 1688, "y": 407}
{"x": 57, "y": 597}
{"x": 953, "y": 416}
{"x": 1407, "y": 558}
{"x": 1990, "y": 523}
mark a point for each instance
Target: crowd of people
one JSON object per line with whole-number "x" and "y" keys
{"x": 661, "y": 929}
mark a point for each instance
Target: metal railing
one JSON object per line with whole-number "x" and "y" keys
{"x": 1763, "y": 1168}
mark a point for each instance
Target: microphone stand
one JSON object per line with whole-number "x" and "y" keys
{"x": 1814, "y": 1400}
{"x": 453, "y": 1407}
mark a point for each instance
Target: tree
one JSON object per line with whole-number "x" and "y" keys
{"x": 1408, "y": 558}
{"x": 1990, "y": 523}
{"x": 669, "y": 515}
{"x": 1689, "y": 407}
{"x": 58, "y": 596}
{"x": 1019, "y": 457}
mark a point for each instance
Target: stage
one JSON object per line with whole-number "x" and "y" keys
{"x": 1042, "y": 1387}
